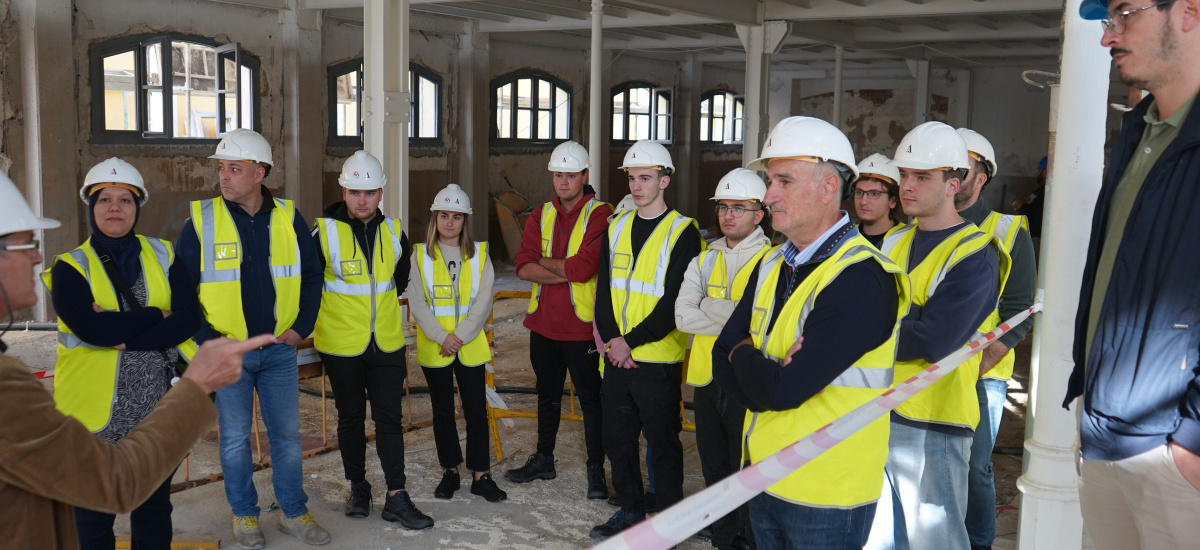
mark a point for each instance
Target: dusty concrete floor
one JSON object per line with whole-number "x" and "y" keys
{"x": 545, "y": 514}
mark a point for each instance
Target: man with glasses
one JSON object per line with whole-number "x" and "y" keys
{"x": 1138, "y": 324}
{"x": 712, "y": 286}
{"x": 876, "y": 197}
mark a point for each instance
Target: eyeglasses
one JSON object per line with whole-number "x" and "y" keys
{"x": 873, "y": 193}
{"x": 738, "y": 211}
{"x": 32, "y": 245}
{"x": 1117, "y": 20}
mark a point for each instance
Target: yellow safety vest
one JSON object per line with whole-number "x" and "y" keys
{"x": 583, "y": 295}
{"x": 1004, "y": 228}
{"x": 713, "y": 270}
{"x": 851, "y": 473}
{"x": 448, "y": 305}
{"x": 951, "y": 400}
{"x": 221, "y": 266}
{"x": 85, "y": 376}
{"x": 637, "y": 284}
{"x": 357, "y": 302}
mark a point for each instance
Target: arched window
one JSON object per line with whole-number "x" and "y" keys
{"x": 722, "y": 115}
{"x": 641, "y": 110}
{"x": 345, "y": 105}
{"x": 212, "y": 89}
{"x": 530, "y": 108}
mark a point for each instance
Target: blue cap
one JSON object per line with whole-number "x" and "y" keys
{"x": 1042, "y": 163}
{"x": 1093, "y": 10}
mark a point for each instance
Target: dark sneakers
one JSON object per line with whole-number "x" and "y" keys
{"x": 358, "y": 504}
{"x": 597, "y": 488}
{"x": 400, "y": 509}
{"x": 539, "y": 466}
{"x": 450, "y": 483}
{"x": 486, "y": 488}
{"x": 619, "y": 521}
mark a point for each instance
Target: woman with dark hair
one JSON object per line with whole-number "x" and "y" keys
{"x": 126, "y": 314}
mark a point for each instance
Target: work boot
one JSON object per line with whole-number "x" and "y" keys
{"x": 305, "y": 528}
{"x": 400, "y": 509}
{"x": 450, "y": 483}
{"x": 248, "y": 534}
{"x": 539, "y": 466}
{"x": 597, "y": 486}
{"x": 486, "y": 488}
{"x": 358, "y": 504}
{"x": 619, "y": 521}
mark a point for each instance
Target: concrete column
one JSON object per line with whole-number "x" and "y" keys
{"x": 470, "y": 166}
{"x": 596, "y": 95}
{"x": 920, "y": 70}
{"x": 960, "y": 108}
{"x": 386, "y": 97}
{"x": 50, "y": 111}
{"x": 839, "y": 58}
{"x": 757, "y": 86}
{"x": 303, "y": 135}
{"x": 686, "y": 151}
{"x": 1050, "y": 516}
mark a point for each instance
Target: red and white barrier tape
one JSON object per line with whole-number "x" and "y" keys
{"x": 677, "y": 523}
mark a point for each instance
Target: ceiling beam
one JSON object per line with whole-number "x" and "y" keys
{"x": 828, "y": 10}
{"x": 928, "y": 22}
{"x": 741, "y": 12}
{"x": 679, "y": 31}
{"x": 546, "y": 7}
{"x": 885, "y": 24}
{"x": 826, "y": 31}
{"x": 984, "y": 21}
{"x": 1042, "y": 20}
{"x": 558, "y": 23}
{"x": 500, "y": 9}
{"x": 460, "y": 12}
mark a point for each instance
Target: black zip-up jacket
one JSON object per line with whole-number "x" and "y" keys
{"x": 1139, "y": 385}
{"x": 365, "y": 236}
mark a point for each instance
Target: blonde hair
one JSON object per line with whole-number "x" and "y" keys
{"x": 465, "y": 242}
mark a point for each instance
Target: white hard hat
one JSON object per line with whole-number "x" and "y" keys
{"x": 114, "y": 170}
{"x": 362, "y": 171}
{"x": 625, "y": 204}
{"x": 647, "y": 154}
{"x": 876, "y": 166}
{"x": 569, "y": 157}
{"x": 740, "y": 184}
{"x": 980, "y": 148}
{"x": 932, "y": 146}
{"x": 243, "y": 144}
{"x": 451, "y": 199}
{"x": 801, "y": 136}
{"x": 15, "y": 215}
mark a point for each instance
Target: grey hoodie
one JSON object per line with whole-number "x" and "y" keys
{"x": 695, "y": 312}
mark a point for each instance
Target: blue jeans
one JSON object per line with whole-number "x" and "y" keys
{"x": 981, "y": 486}
{"x": 780, "y": 525}
{"x": 927, "y": 479}
{"x": 272, "y": 371}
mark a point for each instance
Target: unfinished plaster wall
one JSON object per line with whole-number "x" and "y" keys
{"x": 1013, "y": 115}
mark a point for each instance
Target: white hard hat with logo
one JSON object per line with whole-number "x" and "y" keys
{"x": 932, "y": 146}
{"x": 15, "y": 215}
{"x": 979, "y": 148}
{"x": 806, "y": 138}
{"x": 740, "y": 184}
{"x": 569, "y": 157}
{"x": 243, "y": 144}
{"x": 115, "y": 170}
{"x": 625, "y": 204}
{"x": 648, "y": 154}
{"x": 362, "y": 171}
{"x": 451, "y": 199}
{"x": 876, "y": 166}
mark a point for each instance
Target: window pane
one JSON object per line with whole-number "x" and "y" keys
{"x": 664, "y": 105}
{"x": 639, "y": 127}
{"x": 543, "y": 125}
{"x": 703, "y": 127}
{"x": 428, "y": 108}
{"x": 120, "y": 92}
{"x": 504, "y": 111}
{"x": 562, "y": 116}
{"x": 347, "y": 105}
{"x": 153, "y": 65}
{"x": 718, "y": 129}
{"x": 231, "y": 112}
{"x": 705, "y": 106}
{"x": 618, "y": 126}
{"x": 524, "y": 123}
{"x": 524, "y": 93}
{"x": 247, "y": 99}
{"x": 193, "y": 91}
{"x": 154, "y": 107}
{"x": 719, "y": 104}
{"x": 639, "y": 100}
{"x": 545, "y": 96}
{"x": 663, "y": 130}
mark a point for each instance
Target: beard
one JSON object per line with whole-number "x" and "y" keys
{"x": 1168, "y": 48}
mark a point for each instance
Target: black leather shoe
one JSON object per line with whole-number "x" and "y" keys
{"x": 486, "y": 488}
{"x": 400, "y": 509}
{"x": 358, "y": 504}
{"x": 619, "y": 521}
{"x": 597, "y": 486}
{"x": 450, "y": 483}
{"x": 539, "y": 466}
{"x": 706, "y": 533}
{"x": 613, "y": 500}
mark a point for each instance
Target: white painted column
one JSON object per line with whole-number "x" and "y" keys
{"x": 595, "y": 104}
{"x": 386, "y": 97}
{"x": 1050, "y": 517}
{"x": 838, "y": 60}
{"x": 757, "y": 73}
{"x": 920, "y": 70}
{"x": 303, "y": 138}
{"x": 470, "y": 166}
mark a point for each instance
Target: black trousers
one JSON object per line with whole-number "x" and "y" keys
{"x": 377, "y": 376}
{"x": 150, "y": 523}
{"x": 646, "y": 398}
{"x": 551, "y": 360}
{"x": 719, "y": 443}
{"x": 471, "y": 381}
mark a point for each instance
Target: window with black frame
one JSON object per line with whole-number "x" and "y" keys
{"x": 530, "y": 108}
{"x": 722, "y": 117}
{"x": 641, "y": 110}
{"x": 345, "y": 105}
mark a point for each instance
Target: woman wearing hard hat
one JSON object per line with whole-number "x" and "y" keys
{"x": 450, "y": 293}
{"x": 126, "y": 313}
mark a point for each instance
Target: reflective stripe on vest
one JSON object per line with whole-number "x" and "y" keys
{"x": 85, "y": 376}
{"x": 445, "y": 297}
{"x": 583, "y": 295}
{"x": 221, "y": 272}
{"x": 1005, "y": 228}
{"x": 358, "y": 301}
{"x": 846, "y": 475}
{"x": 714, "y": 271}
{"x": 636, "y": 284}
